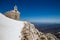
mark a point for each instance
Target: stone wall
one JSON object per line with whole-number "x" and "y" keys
{"x": 13, "y": 15}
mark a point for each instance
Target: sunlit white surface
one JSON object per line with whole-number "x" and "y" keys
{"x": 10, "y": 29}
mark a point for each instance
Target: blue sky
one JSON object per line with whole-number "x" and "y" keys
{"x": 34, "y": 10}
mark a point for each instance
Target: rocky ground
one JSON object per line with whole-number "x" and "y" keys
{"x": 29, "y": 32}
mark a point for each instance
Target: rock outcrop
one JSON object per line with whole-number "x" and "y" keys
{"x": 51, "y": 36}
{"x": 57, "y": 34}
{"x": 29, "y": 32}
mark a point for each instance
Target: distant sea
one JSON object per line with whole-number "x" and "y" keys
{"x": 47, "y": 27}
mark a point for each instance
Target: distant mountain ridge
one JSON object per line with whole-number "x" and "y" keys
{"x": 47, "y": 27}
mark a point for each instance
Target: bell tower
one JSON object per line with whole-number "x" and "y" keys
{"x": 15, "y": 8}
{"x": 17, "y": 13}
